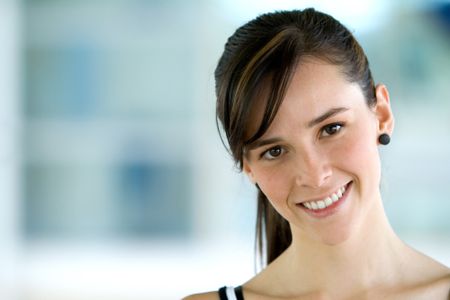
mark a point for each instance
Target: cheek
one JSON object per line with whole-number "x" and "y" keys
{"x": 274, "y": 181}
{"x": 359, "y": 151}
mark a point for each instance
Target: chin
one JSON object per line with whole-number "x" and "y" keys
{"x": 335, "y": 239}
{"x": 335, "y": 236}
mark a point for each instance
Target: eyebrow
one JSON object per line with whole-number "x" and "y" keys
{"x": 328, "y": 114}
{"x": 261, "y": 143}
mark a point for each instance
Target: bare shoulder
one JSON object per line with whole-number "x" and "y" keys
{"x": 441, "y": 285}
{"x": 438, "y": 288}
{"x": 203, "y": 296}
{"x": 433, "y": 283}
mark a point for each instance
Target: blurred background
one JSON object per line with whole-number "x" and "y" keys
{"x": 113, "y": 181}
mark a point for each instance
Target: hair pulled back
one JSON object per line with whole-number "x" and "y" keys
{"x": 266, "y": 51}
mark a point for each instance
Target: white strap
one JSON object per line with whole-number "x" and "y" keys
{"x": 230, "y": 293}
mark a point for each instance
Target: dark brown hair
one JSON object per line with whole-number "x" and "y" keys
{"x": 266, "y": 51}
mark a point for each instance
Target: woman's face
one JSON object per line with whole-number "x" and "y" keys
{"x": 318, "y": 163}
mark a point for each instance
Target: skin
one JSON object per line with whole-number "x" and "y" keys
{"x": 352, "y": 253}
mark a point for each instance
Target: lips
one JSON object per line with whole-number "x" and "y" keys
{"x": 327, "y": 201}
{"x": 328, "y": 205}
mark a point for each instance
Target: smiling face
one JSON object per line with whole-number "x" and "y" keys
{"x": 318, "y": 162}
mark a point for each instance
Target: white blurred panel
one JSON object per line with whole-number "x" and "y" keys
{"x": 9, "y": 148}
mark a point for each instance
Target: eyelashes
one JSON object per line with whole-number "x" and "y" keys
{"x": 330, "y": 129}
{"x": 326, "y": 131}
{"x": 272, "y": 153}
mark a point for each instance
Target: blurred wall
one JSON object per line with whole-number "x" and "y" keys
{"x": 10, "y": 123}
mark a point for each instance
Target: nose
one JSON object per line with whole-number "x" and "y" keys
{"x": 312, "y": 170}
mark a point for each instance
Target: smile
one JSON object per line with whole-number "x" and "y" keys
{"x": 321, "y": 204}
{"x": 329, "y": 205}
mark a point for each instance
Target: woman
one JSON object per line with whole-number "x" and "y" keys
{"x": 304, "y": 120}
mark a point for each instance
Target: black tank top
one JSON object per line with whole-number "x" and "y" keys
{"x": 230, "y": 293}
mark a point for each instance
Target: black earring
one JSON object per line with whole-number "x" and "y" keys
{"x": 384, "y": 139}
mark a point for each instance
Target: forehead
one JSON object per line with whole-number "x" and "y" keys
{"x": 315, "y": 87}
{"x": 316, "y": 84}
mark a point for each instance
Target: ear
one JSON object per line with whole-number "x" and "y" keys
{"x": 248, "y": 171}
{"x": 383, "y": 110}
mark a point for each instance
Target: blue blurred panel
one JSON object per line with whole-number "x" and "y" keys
{"x": 154, "y": 199}
{"x": 126, "y": 63}
{"x": 130, "y": 200}
{"x": 442, "y": 11}
{"x": 62, "y": 82}
{"x": 96, "y": 65}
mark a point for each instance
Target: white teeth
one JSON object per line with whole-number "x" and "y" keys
{"x": 320, "y": 204}
{"x": 335, "y": 197}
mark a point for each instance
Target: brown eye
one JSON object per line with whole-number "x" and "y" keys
{"x": 275, "y": 151}
{"x": 272, "y": 153}
{"x": 331, "y": 129}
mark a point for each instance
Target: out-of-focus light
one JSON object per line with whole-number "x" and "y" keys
{"x": 361, "y": 15}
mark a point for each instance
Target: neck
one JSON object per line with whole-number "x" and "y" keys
{"x": 368, "y": 258}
